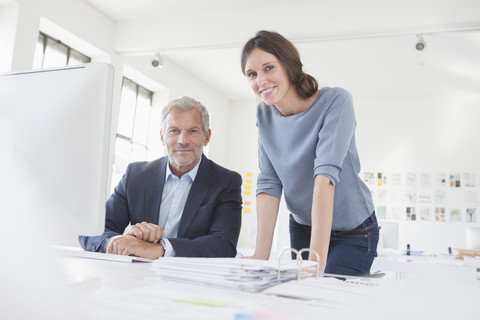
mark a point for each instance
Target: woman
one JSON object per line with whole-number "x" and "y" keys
{"x": 307, "y": 148}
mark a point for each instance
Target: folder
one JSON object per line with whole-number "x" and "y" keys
{"x": 242, "y": 274}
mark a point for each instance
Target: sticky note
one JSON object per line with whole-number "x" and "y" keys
{"x": 204, "y": 301}
{"x": 248, "y": 187}
{"x": 249, "y": 174}
{"x": 248, "y": 193}
{"x": 248, "y": 181}
{"x": 247, "y": 210}
{"x": 247, "y": 203}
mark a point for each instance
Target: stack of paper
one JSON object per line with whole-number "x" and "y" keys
{"x": 327, "y": 289}
{"x": 243, "y": 274}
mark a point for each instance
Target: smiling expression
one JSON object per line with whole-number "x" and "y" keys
{"x": 268, "y": 78}
{"x": 184, "y": 139}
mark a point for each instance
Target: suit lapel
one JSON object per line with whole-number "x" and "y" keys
{"x": 154, "y": 190}
{"x": 197, "y": 193}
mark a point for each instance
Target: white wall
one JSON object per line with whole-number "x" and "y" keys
{"x": 423, "y": 135}
{"x": 419, "y": 133}
{"x": 8, "y": 19}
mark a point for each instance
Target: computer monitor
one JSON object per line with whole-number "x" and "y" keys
{"x": 389, "y": 233}
{"x": 55, "y": 129}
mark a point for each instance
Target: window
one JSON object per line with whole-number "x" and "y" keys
{"x": 50, "y": 52}
{"x": 133, "y": 133}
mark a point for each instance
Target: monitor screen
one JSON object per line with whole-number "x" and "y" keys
{"x": 389, "y": 233}
{"x": 55, "y": 141}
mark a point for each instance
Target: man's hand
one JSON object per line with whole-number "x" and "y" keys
{"x": 130, "y": 245}
{"x": 146, "y": 231}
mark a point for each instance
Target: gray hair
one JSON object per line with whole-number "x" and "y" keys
{"x": 187, "y": 104}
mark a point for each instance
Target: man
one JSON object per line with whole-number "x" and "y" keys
{"x": 180, "y": 205}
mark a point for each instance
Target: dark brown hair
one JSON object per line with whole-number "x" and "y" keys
{"x": 287, "y": 54}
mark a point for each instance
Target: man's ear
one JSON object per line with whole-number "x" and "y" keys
{"x": 161, "y": 136}
{"x": 207, "y": 137}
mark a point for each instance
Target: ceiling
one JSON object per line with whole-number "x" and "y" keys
{"x": 365, "y": 46}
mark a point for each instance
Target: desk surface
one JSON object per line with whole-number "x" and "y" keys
{"x": 441, "y": 288}
{"x": 100, "y": 289}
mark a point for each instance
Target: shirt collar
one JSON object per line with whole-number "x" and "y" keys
{"x": 192, "y": 173}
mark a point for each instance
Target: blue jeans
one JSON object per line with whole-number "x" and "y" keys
{"x": 351, "y": 252}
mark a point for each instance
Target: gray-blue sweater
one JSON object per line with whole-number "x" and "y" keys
{"x": 321, "y": 140}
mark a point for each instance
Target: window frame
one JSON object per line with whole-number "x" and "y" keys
{"x": 44, "y": 40}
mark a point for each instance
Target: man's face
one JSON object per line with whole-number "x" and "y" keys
{"x": 184, "y": 138}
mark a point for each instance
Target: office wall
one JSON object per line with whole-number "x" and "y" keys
{"x": 400, "y": 134}
{"x": 8, "y": 18}
{"x": 427, "y": 136}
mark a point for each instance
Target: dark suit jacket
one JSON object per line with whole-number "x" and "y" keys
{"x": 211, "y": 219}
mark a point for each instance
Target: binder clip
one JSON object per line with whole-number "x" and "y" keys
{"x": 299, "y": 261}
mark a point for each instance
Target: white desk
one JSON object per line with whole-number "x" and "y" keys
{"x": 414, "y": 288}
{"x": 115, "y": 290}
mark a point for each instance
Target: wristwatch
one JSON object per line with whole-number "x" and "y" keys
{"x": 164, "y": 246}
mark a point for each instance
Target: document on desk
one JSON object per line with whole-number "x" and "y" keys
{"x": 78, "y": 252}
{"x": 242, "y": 274}
{"x": 327, "y": 289}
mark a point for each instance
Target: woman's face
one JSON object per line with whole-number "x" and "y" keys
{"x": 267, "y": 77}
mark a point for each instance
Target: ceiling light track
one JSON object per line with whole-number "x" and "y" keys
{"x": 298, "y": 40}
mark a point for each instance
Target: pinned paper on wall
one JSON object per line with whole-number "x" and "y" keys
{"x": 471, "y": 215}
{"x": 381, "y": 212}
{"x": 369, "y": 178}
{"x": 411, "y": 179}
{"x": 424, "y": 213}
{"x": 396, "y": 196}
{"x": 471, "y": 198}
{"x": 396, "y": 179}
{"x": 411, "y": 196}
{"x": 469, "y": 180}
{"x": 440, "y": 214}
{"x": 455, "y": 215}
{"x": 425, "y": 180}
{"x": 397, "y": 214}
{"x": 455, "y": 180}
{"x": 382, "y": 195}
{"x": 410, "y": 214}
{"x": 440, "y": 196}
{"x": 381, "y": 179}
{"x": 424, "y": 197}
{"x": 440, "y": 180}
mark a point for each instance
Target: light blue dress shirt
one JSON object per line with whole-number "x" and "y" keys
{"x": 174, "y": 197}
